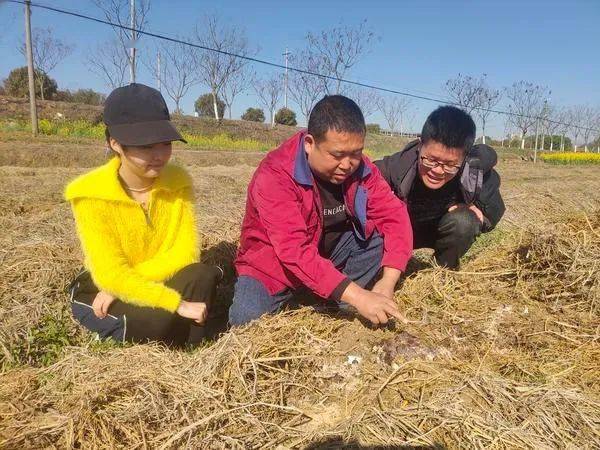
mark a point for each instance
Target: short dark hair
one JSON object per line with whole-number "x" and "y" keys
{"x": 335, "y": 112}
{"x": 451, "y": 127}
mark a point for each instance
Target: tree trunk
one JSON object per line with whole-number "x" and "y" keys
{"x": 177, "y": 111}
{"x": 41, "y": 88}
{"x": 483, "y": 131}
{"x": 273, "y": 117}
{"x": 215, "y": 106}
{"x": 562, "y": 142}
{"x": 552, "y": 143}
{"x": 522, "y": 141}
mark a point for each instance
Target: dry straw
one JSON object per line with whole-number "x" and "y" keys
{"x": 508, "y": 361}
{"x": 503, "y": 354}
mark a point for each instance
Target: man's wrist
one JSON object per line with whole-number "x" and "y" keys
{"x": 390, "y": 276}
{"x": 351, "y": 294}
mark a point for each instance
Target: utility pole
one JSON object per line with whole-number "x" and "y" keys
{"x": 285, "y": 90}
{"x": 543, "y": 123}
{"x": 158, "y": 77}
{"x": 30, "y": 70}
{"x": 133, "y": 43}
{"x": 535, "y": 147}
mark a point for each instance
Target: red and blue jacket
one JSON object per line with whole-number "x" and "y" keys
{"x": 283, "y": 222}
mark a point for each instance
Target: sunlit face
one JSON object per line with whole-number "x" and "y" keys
{"x": 145, "y": 161}
{"x": 434, "y": 152}
{"x": 336, "y": 157}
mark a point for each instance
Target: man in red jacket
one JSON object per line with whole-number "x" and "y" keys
{"x": 320, "y": 216}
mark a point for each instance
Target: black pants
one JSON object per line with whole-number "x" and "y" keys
{"x": 127, "y": 322}
{"x": 450, "y": 236}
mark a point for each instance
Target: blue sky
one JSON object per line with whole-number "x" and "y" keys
{"x": 422, "y": 43}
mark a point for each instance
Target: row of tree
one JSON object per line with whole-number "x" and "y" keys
{"x": 204, "y": 108}
{"x": 46, "y": 88}
{"x": 532, "y": 115}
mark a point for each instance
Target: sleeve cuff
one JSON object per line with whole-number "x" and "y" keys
{"x": 336, "y": 294}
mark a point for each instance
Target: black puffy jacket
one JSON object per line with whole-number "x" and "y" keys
{"x": 479, "y": 182}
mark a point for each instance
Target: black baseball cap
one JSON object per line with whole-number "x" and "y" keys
{"x": 138, "y": 115}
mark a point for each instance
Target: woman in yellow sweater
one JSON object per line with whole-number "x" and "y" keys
{"x": 135, "y": 221}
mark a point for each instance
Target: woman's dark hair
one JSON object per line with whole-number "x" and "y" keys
{"x": 451, "y": 127}
{"x": 109, "y": 150}
{"x": 108, "y": 147}
{"x": 335, "y": 112}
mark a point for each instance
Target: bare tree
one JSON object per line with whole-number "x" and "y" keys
{"x": 466, "y": 91}
{"x": 237, "y": 83}
{"x": 566, "y": 118}
{"x": 109, "y": 61}
{"x": 269, "y": 92}
{"x": 180, "y": 71}
{"x": 552, "y": 123}
{"x": 305, "y": 89}
{"x": 394, "y": 110}
{"x": 120, "y": 12}
{"x": 338, "y": 50}
{"x": 588, "y": 123}
{"x": 216, "y": 68}
{"x": 597, "y": 127}
{"x": 577, "y": 121}
{"x": 367, "y": 99}
{"x": 487, "y": 99}
{"x": 525, "y": 103}
{"x": 48, "y": 52}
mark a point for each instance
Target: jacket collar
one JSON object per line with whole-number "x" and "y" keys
{"x": 302, "y": 173}
{"x": 103, "y": 182}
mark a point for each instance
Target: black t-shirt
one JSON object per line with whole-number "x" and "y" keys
{"x": 335, "y": 217}
{"x": 427, "y": 205}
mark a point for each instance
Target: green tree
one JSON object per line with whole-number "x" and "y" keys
{"x": 88, "y": 97}
{"x": 17, "y": 84}
{"x": 204, "y": 106}
{"x": 63, "y": 96}
{"x": 286, "y": 116}
{"x": 254, "y": 115}
{"x": 373, "y": 128}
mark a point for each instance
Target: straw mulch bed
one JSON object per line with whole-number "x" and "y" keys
{"x": 503, "y": 354}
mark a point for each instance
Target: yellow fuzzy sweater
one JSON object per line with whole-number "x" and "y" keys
{"x": 128, "y": 251}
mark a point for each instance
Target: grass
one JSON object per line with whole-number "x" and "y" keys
{"x": 225, "y": 142}
{"x": 236, "y": 139}
{"x": 571, "y": 158}
{"x": 74, "y": 129}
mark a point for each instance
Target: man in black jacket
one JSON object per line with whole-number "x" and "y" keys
{"x": 449, "y": 185}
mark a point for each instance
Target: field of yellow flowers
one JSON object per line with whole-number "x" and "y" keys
{"x": 571, "y": 158}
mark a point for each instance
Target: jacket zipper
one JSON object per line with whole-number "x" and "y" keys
{"x": 319, "y": 210}
{"x": 146, "y": 210}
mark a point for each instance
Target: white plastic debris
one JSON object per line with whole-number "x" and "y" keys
{"x": 353, "y": 360}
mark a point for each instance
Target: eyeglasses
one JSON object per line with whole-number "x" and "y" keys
{"x": 432, "y": 164}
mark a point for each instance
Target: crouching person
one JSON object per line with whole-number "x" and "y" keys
{"x": 135, "y": 221}
{"x": 319, "y": 217}
{"x": 449, "y": 185}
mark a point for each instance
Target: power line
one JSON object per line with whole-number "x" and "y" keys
{"x": 281, "y": 66}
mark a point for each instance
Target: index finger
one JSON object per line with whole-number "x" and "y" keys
{"x": 395, "y": 312}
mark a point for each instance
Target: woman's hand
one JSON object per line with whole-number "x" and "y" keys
{"x": 197, "y": 311}
{"x": 102, "y": 303}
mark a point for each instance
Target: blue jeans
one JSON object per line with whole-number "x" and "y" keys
{"x": 358, "y": 260}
